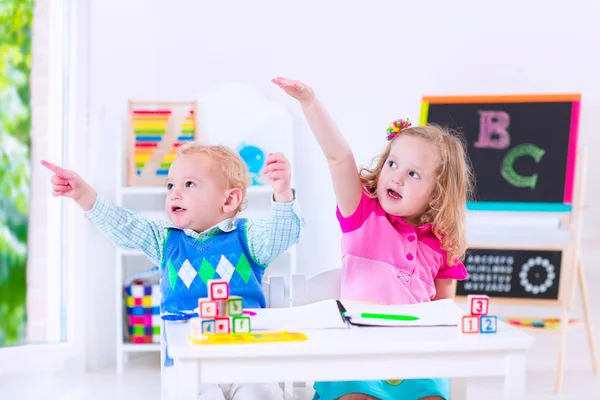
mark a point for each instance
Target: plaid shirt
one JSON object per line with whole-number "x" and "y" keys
{"x": 268, "y": 238}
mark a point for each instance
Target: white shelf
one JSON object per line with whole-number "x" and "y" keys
{"x": 141, "y": 348}
{"x": 162, "y": 190}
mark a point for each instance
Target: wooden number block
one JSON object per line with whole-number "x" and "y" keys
{"x": 488, "y": 324}
{"x": 234, "y": 306}
{"x": 223, "y": 325}
{"x": 218, "y": 289}
{"x": 470, "y": 324}
{"x": 209, "y": 326}
{"x": 241, "y": 324}
{"x": 479, "y": 304}
{"x": 207, "y": 308}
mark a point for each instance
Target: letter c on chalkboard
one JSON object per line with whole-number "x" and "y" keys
{"x": 508, "y": 171}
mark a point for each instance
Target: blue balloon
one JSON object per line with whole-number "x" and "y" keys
{"x": 254, "y": 159}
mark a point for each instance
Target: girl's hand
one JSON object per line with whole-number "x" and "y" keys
{"x": 298, "y": 90}
{"x": 279, "y": 171}
{"x": 68, "y": 184}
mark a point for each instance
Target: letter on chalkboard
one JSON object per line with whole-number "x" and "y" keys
{"x": 493, "y": 123}
{"x": 508, "y": 171}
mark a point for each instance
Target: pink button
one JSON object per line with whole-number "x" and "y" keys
{"x": 409, "y": 256}
{"x": 411, "y": 238}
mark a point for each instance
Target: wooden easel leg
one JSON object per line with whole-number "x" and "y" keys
{"x": 585, "y": 303}
{"x": 564, "y": 327}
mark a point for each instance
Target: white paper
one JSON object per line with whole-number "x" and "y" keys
{"x": 320, "y": 315}
{"x": 436, "y": 313}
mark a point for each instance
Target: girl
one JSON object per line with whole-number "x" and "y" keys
{"x": 403, "y": 227}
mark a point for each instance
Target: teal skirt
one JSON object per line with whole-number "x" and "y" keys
{"x": 407, "y": 389}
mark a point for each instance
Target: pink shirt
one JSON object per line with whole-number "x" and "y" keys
{"x": 385, "y": 260}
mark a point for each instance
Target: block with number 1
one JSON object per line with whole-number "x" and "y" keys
{"x": 470, "y": 324}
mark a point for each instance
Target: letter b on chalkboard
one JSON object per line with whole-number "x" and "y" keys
{"x": 493, "y": 133}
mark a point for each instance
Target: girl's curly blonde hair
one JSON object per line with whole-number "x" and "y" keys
{"x": 447, "y": 211}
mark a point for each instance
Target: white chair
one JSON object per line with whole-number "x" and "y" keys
{"x": 327, "y": 285}
{"x": 275, "y": 297}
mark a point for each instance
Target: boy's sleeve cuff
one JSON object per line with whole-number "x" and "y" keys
{"x": 99, "y": 210}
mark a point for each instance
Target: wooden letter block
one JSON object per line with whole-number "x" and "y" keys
{"x": 479, "y": 304}
{"x": 222, "y": 308}
{"x": 234, "y": 306}
{"x": 209, "y": 326}
{"x": 223, "y": 325}
{"x": 207, "y": 308}
{"x": 195, "y": 327}
{"x": 488, "y": 324}
{"x": 241, "y": 324}
{"x": 470, "y": 324}
{"x": 218, "y": 289}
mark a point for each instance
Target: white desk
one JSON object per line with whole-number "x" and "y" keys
{"x": 354, "y": 354}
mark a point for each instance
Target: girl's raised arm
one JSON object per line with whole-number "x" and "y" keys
{"x": 342, "y": 165}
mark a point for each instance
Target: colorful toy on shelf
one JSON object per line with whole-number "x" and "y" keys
{"x": 478, "y": 320}
{"x": 157, "y": 130}
{"x": 143, "y": 312}
{"x": 221, "y": 313}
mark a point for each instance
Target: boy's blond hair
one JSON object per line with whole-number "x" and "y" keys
{"x": 447, "y": 211}
{"x": 233, "y": 167}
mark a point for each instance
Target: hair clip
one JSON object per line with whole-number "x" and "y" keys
{"x": 395, "y": 127}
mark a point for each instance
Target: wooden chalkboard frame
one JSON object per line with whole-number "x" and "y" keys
{"x": 571, "y": 274}
{"x": 571, "y": 249}
{"x": 575, "y": 99}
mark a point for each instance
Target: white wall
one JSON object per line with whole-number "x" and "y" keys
{"x": 370, "y": 64}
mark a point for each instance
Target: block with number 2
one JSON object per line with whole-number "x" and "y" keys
{"x": 488, "y": 324}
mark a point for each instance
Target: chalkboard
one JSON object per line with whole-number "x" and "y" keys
{"x": 523, "y": 148}
{"x": 512, "y": 274}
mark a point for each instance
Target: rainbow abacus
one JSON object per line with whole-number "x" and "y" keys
{"x": 478, "y": 320}
{"x": 220, "y": 313}
{"x": 157, "y": 132}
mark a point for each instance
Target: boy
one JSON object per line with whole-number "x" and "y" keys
{"x": 203, "y": 240}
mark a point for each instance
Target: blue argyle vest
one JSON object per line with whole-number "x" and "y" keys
{"x": 188, "y": 263}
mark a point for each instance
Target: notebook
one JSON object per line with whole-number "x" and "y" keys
{"x": 435, "y": 313}
{"x": 334, "y": 314}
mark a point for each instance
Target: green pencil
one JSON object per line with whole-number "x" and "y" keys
{"x": 389, "y": 316}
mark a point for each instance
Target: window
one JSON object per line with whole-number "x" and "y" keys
{"x": 42, "y": 304}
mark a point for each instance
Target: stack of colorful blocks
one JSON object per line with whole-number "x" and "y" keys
{"x": 478, "y": 321}
{"x": 143, "y": 312}
{"x": 220, "y": 313}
